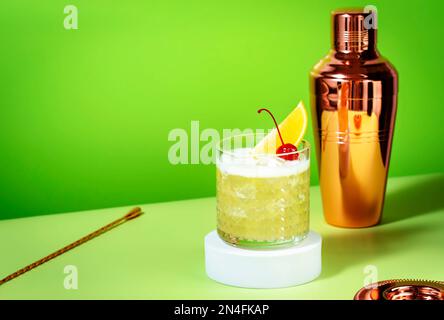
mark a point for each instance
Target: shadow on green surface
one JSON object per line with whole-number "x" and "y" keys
{"x": 366, "y": 246}
{"x": 418, "y": 197}
{"x": 405, "y": 199}
{"x": 351, "y": 247}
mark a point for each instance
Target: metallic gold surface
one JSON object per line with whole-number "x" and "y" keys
{"x": 353, "y": 102}
{"x": 403, "y": 289}
{"x": 350, "y": 32}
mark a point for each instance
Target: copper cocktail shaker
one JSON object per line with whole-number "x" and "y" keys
{"x": 353, "y": 102}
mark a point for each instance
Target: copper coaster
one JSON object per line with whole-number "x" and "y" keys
{"x": 402, "y": 289}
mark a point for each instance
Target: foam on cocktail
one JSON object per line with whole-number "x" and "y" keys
{"x": 246, "y": 162}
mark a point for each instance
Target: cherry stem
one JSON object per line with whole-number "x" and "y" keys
{"x": 275, "y": 123}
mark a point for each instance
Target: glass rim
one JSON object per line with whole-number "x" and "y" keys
{"x": 219, "y": 147}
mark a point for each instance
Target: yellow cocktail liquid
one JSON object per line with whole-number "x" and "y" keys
{"x": 263, "y": 211}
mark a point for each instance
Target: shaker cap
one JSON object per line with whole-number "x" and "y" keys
{"x": 354, "y": 30}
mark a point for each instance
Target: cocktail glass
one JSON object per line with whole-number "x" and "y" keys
{"x": 262, "y": 199}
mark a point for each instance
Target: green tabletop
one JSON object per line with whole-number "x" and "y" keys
{"x": 160, "y": 254}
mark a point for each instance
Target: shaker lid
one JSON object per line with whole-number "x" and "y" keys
{"x": 354, "y": 30}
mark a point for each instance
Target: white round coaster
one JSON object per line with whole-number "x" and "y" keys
{"x": 270, "y": 268}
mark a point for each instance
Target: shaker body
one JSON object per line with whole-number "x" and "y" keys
{"x": 353, "y": 105}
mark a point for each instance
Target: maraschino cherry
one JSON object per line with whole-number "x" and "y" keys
{"x": 285, "y": 147}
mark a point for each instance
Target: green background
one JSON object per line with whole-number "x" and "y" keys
{"x": 85, "y": 114}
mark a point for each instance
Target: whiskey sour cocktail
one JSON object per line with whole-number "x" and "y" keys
{"x": 263, "y": 191}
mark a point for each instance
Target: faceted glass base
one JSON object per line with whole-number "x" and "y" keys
{"x": 254, "y": 244}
